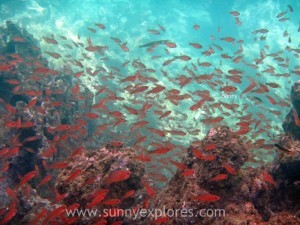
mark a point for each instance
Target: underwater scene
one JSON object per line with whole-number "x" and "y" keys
{"x": 127, "y": 112}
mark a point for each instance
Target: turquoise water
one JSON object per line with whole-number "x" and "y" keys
{"x": 136, "y": 23}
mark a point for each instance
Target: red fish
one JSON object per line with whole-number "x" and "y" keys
{"x": 74, "y": 175}
{"x": 12, "y": 81}
{"x": 124, "y": 47}
{"x": 183, "y": 57}
{"x": 117, "y": 223}
{"x": 228, "y": 89}
{"x": 5, "y": 67}
{"x": 170, "y": 44}
{"x": 195, "y": 45}
{"x": 219, "y": 177}
{"x": 169, "y": 61}
{"x": 11, "y": 213}
{"x": 18, "y": 39}
{"x": 143, "y": 158}
{"x": 32, "y": 103}
{"x": 50, "y": 40}
{"x": 78, "y": 74}
{"x": 161, "y": 150}
{"x": 229, "y": 168}
{"x": 188, "y": 172}
{"x": 10, "y": 109}
{"x": 158, "y": 132}
{"x": 112, "y": 201}
{"x": 76, "y": 89}
{"x": 209, "y": 147}
{"x": 267, "y": 177}
{"x": 178, "y": 165}
{"x": 11, "y": 124}
{"x": 161, "y": 220}
{"x": 117, "y": 176}
{"x": 99, "y": 196}
{"x": 196, "y": 27}
{"x": 39, "y": 216}
{"x": 55, "y": 213}
{"x": 117, "y": 144}
{"x": 234, "y": 13}
{"x": 92, "y": 115}
{"x": 45, "y": 180}
{"x": 207, "y": 198}
{"x": 128, "y": 194}
{"x": 251, "y": 86}
{"x": 148, "y": 188}
{"x": 271, "y": 100}
{"x": 212, "y": 120}
{"x": 228, "y": 39}
{"x": 100, "y": 25}
{"x": 27, "y": 177}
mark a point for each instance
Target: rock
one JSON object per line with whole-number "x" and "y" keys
{"x": 289, "y": 125}
{"x": 95, "y": 168}
{"x": 223, "y": 147}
